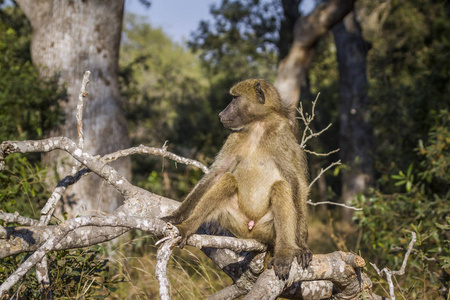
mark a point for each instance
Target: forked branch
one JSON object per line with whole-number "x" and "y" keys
{"x": 390, "y": 273}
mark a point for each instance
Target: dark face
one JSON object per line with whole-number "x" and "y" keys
{"x": 231, "y": 116}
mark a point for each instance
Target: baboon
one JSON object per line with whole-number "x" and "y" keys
{"x": 257, "y": 187}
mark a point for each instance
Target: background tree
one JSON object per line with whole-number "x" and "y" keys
{"x": 67, "y": 39}
{"x": 355, "y": 132}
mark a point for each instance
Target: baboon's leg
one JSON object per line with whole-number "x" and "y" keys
{"x": 212, "y": 201}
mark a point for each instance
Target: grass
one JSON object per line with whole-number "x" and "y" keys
{"x": 191, "y": 274}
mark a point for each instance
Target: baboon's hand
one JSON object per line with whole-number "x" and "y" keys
{"x": 185, "y": 232}
{"x": 304, "y": 257}
{"x": 282, "y": 263}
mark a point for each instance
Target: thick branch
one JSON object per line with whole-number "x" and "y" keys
{"x": 150, "y": 225}
{"x": 308, "y": 30}
{"x": 341, "y": 268}
{"x": 16, "y": 218}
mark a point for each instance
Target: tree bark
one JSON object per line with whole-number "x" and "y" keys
{"x": 308, "y": 30}
{"x": 291, "y": 15}
{"x": 70, "y": 37}
{"x": 356, "y": 137}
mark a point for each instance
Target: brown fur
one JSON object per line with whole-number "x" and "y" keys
{"x": 257, "y": 187}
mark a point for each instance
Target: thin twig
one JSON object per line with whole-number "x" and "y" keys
{"x": 332, "y": 203}
{"x": 49, "y": 207}
{"x": 323, "y": 171}
{"x": 321, "y": 154}
{"x": 141, "y": 149}
{"x": 313, "y": 135}
{"x": 390, "y": 273}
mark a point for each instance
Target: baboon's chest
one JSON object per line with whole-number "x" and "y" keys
{"x": 255, "y": 175}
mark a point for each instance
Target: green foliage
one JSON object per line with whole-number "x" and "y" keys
{"x": 409, "y": 72}
{"x": 436, "y": 162}
{"x": 166, "y": 92}
{"x": 423, "y": 208}
{"x": 28, "y": 104}
{"x": 22, "y": 186}
{"x": 73, "y": 273}
{"x": 28, "y": 108}
{"x": 162, "y": 82}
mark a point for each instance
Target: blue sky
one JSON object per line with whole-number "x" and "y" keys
{"x": 179, "y": 18}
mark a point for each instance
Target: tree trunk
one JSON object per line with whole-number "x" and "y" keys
{"x": 307, "y": 32}
{"x": 291, "y": 15}
{"x": 356, "y": 135}
{"x": 70, "y": 37}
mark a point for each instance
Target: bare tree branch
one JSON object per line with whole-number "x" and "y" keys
{"x": 16, "y": 218}
{"x": 340, "y": 268}
{"x": 323, "y": 171}
{"x": 43, "y": 278}
{"x": 63, "y": 143}
{"x": 321, "y": 154}
{"x": 141, "y": 149}
{"x": 332, "y": 203}
{"x": 307, "y": 135}
{"x": 149, "y": 225}
{"x": 226, "y": 242}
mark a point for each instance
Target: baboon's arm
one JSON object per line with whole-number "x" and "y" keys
{"x": 285, "y": 216}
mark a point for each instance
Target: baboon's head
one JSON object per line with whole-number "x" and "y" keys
{"x": 253, "y": 100}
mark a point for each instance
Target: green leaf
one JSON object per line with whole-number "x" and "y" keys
{"x": 444, "y": 227}
{"x": 408, "y": 186}
{"x": 408, "y": 172}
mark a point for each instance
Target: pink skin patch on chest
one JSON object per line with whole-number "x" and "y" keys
{"x": 251, "y": 224}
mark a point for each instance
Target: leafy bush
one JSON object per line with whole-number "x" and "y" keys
{"x": 423, "y": 207}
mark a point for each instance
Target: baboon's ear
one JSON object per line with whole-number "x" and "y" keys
{"x": 259, "y": 93}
